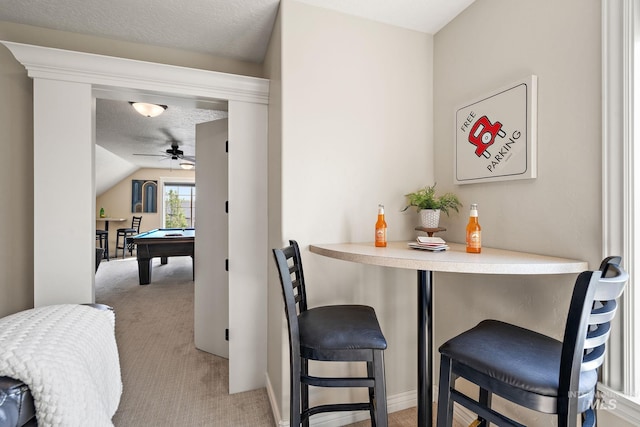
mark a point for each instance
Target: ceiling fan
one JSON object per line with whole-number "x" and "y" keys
{"x": 173, "y": 153}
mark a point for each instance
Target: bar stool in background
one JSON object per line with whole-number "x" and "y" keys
{"x": 102, "y": 236}
{"x": 127, "y": 232}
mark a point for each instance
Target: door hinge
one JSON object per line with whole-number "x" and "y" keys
{"x": 226, "y": 334}
{"x": 226, "y": 146}
{"x": 226, "y": 264}
{"x": 226, "y": 206}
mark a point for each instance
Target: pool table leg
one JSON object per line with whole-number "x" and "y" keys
{"x": 164, "y": 260}
{"x": 144, "y": 270}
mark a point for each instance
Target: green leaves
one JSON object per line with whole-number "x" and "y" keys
{"x": 425, "y": 198}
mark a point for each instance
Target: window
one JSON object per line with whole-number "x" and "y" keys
{"x": 621, "y": 193}
{"x": 179, "y": 205}
{"x": 631, "y": 346}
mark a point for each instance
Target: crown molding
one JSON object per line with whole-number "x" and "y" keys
{"x": 107, "y": 72}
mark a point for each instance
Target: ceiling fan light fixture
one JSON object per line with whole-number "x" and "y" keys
{"x": 187, "y": 165}
{"x": 148, "y": 110}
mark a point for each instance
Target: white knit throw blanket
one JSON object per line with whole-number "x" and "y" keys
{"x": 68, "y": 357}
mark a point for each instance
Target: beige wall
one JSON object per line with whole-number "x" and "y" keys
{"x": 493, "y": 43}
{"x": 117, "y": 201}
{"x": 356, "y": 131}
{"x": 332, "y": 146}
{"x": 277, "y": 364}
{"x": 16, "y": 121}
{"x": 356, "y": 127}
{"x": 16, "y": 186}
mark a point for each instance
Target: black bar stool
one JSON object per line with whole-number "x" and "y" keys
{"x": 102, "y": 236}
{"x": 330, "y": 333}
{"x": 531, "y": 369}
{"x": 127, "y": 232}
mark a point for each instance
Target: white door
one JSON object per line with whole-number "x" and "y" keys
{"x": 211, "y": 299}
{"x": 235, "y": 299}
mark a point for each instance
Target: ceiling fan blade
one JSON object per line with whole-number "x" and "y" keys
{"x": 190, "y": 158}
{"x": 155, "y": 155}
{"x": 167, "y": 133}
{"x": 170, "y": 137}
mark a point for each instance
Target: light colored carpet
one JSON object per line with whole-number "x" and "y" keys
{"x": 167, "y": 381}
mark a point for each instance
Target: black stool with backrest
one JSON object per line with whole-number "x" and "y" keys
{"x": 99, "y": 255}
{"x": 329, "y": 333}
{"x": 531, "y": 369}
{"x": 102, "y": 236}
{"x": 124, "y": 233}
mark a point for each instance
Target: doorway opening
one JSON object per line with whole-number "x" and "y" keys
{"x": 66, "y": 86}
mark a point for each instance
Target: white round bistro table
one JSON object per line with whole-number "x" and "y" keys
{"x": 454, "y": 260}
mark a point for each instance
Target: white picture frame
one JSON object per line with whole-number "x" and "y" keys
{"x": 496, "y": 135}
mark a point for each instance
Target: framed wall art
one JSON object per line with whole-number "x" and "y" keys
{"x": 495, "y": 135}
{"x": 144, "y": 196}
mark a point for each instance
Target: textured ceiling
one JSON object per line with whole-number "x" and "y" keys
{"x": 127, "y": 141}
{"x": 143, "y": 140}
{"x": 236, "y": 29}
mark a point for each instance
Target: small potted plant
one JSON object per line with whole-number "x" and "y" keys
{"x": 429, "y": 205}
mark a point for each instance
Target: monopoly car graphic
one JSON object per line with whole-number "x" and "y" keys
{"x": 483, "y": 135}
{"x": 495, "y": 135}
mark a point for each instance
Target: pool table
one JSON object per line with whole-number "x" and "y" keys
{"x": 163, "y": 243}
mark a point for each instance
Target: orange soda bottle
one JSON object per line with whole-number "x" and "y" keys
{"x": 474, "y": 232}
{"x": 381, "y": 228}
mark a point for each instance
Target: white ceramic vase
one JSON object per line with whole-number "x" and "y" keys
{"x": 429, "y": 218}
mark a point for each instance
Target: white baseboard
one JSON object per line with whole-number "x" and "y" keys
{"x": 624, "y": 407}
{"x": 463, "y": 416}
{"x": 397, "y": 402}
{"x": 274, "y": 404}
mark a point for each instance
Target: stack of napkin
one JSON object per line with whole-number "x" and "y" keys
{"x": 434, "y": 244}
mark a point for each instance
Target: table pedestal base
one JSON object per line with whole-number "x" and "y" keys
{"x": 425, "y": 348}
